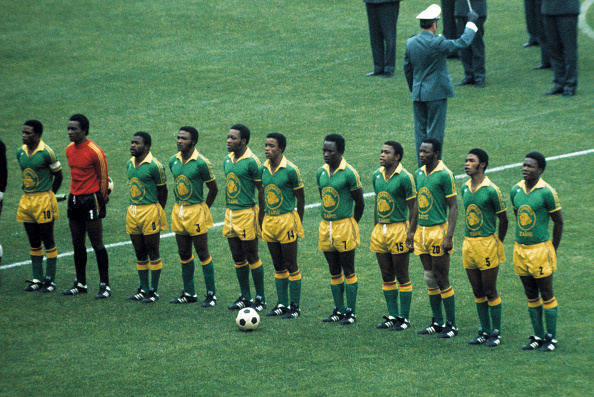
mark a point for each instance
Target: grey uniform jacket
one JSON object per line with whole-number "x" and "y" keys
{"x": 425, "y": 64}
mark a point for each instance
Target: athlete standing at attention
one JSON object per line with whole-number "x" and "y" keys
{"x": 282, "y": 223}
{"x": 395, "y": 195}
{"x": 38, "y": 208}
{"x": 435, "y": 212}
{"x": 191, "y": 218}
{"x": 535, "y": 255}
{"x": 242, "y": 228}
{"x": 86, "y": 204}
{"x": 482, "y": 250}
{"x": 145, "y": 219}
{"x": 340, "y": 187}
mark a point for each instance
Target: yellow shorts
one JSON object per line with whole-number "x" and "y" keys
{"x": 429, "y": 240}
{"x": 145, "y": 219}
{"x": 39, "y": 207}
{"x": 191, "y": 220}
{"x": 390, "y": 237}
{"x": 482, "y": 253}
{"x": 342, "y": 235}
{"x": 242, "y": 223}
{"x": 283, "y": 228}
{"x": 537, "y": 260}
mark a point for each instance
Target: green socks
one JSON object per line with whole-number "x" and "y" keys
{"x": 209, "y": 276}
{"x": 188, "y": 276}
{"x": 258, "y": 276}
{"x": 243, "y": 277}
{"x": 482, "y": 308}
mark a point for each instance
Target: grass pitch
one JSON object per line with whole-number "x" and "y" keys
{"x": 297, "y": 68}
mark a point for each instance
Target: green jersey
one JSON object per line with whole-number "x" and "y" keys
{"x": 533, "y": 211}
{"x": 143, "y": 180}
{"x": 37, "y": 169}
{"x": 391, "y": 195}
{"x": 189, "y": 178}
{"x": 482, "y": 208}
{"x": 279, "y": 187}
{"x": 337, "y": 202}
{"x": 433, "y": 190}
{"x": 241, "y": 180}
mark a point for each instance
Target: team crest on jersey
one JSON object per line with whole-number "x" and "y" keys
{"x": 30, "y": 180}
{"x": 183, "y": 187}
{"x": 385, "y": 204}
{"x": 424, "y": 200}
{"x": 137, "y": 190}
{"x": 233, "y": 185}
{"x": 474, "y": 217}
{"x": 330, "y": 199}
{"x": 526, "y": 218}
{"x": 274, "y": 196}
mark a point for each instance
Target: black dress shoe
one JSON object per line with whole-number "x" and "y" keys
{"x": 541, "y": 66}
{"x": 554, "y": 91}
{"x": 479, "y": 84}
{"x": 465, "y": 81}
{"x": 371, "y": 74}
{"x": 530, "y": 44}
{"x": 568, "y": 93}
{"x": 388, "y": 75}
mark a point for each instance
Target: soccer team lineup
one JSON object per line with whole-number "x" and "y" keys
{"x": 413, "y": 213}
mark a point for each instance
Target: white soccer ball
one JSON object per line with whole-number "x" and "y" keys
{"x": 248, "y": 319}
{"x": 109, "y": 186}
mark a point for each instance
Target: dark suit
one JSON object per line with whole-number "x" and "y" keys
{"x": 382, "y": 16}
{"x": 428, "y": 79}
{"x": 448, "y": 20}
{"x": 560, "y": 20}
{"x": 530, "y": 13}
{"x": 473, "y": 56}
{"x": 541, "y": 34}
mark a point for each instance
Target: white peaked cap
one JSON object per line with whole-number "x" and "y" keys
{"x": 432, "y": 12}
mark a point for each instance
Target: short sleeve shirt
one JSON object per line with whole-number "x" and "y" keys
{"x": 279, "y": 196}
{"x": 533, "y": 211}
{"x": 37, "y": 169}
{"x": 391, "y": 195}
{"x": 189, "y": 178}
{"x": 88, "y": 168}
{"x": 241, "y": 178}
{"x": 433, "y": 190}
{"x": 143, "y": 180}
{"x": 337, "y": 202}
{"x": 481, "y": 208}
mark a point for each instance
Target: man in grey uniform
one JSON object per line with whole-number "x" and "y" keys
{"x": 427, "y": 73}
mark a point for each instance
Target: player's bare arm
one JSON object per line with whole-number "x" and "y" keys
{"x": 300, "y": 198}
{"x": 503, "y": 224}
{"x": 448, "y": 242}
{"x": 357, "y": 196}
{"x": 557, "y": 219}
{"x": 213, "y": 190}
{"x": 162, "y": 194}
